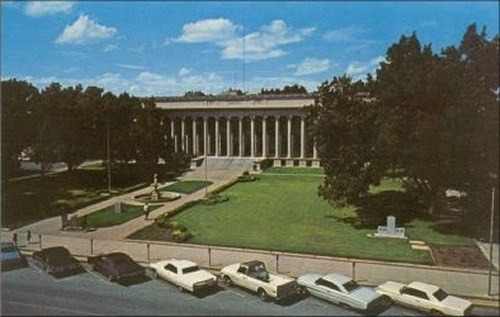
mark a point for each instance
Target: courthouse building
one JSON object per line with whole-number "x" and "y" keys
{"x": 257, "y": 127}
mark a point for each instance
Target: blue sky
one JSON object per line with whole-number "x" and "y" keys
{"x": 167, "y": 48}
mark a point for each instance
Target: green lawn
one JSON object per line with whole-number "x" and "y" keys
{"x": 285, "y": 213}
{"x": 107, "y": 218}
{"x": 186, "y": 187}
{"x": 294, "y": 170}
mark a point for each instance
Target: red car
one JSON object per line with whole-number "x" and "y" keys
{"x": 116, "y": 266}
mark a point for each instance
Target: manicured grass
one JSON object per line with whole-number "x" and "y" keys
{"x": 285, "y": 213}
{"x": 186, "y": 187}
{"x": 107, "y": 218}
{"x": 294, "y": 170}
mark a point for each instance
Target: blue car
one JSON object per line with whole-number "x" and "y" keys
{"x": 12, "y": 257}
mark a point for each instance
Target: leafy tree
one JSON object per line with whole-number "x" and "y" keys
{"x": 19, "y": 99}
{"x": 345, "y": 128}
{"x": 290, "y": 90}
{"x": 194, "y": 94}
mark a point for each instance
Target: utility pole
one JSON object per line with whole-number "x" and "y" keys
{"x": 491, "y": 238}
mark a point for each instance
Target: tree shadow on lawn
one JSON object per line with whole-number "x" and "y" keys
{"x": 372, "y": 210}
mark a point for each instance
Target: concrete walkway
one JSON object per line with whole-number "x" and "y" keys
{"x": 218, "y": 175}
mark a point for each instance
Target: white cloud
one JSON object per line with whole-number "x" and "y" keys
{"x": 259, "y": 45}
{"x": 146, "y": 83}
{"x": 311, "y": 66}
{"x": 264, "y": 43}
{"x": 209, "y": 30}
{"x": 358, "y": 70}
{"x": 41, "y": 8}
{"x": 85, "y": 30}
{"x": 128, "y": 66}
{"x": 184, "y": 71}
{"x": 110, "y": 48}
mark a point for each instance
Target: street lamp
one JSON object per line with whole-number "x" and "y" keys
{"x": 107, "y": 146}
{"x": 206, "y": 158}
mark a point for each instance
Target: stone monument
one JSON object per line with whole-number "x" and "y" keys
{"x": 118, "y": 207}
{"x": 390, "y": 230}
{"x": 155, "y": 194}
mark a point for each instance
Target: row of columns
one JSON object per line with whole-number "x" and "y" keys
{"x": 206, "y": 142}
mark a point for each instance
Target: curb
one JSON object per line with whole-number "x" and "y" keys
{"x": 485, "y": 302}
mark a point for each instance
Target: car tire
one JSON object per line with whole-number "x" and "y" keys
{"x": 227, "y": 280}
{"x": 111, "y": 278}
{"x": 435, "y": 312}
{"x": 181, "y": 289}
{"x": 344, "y": 305}
{"x": 263, "y": 295}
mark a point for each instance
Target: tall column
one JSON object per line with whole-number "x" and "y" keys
{"x": 228, "y": 136}
{"x": 217, "y": 137}
{"x": 315, "y": 151}
{"x": 195, "y": 144}
{"x": 276, "y": 136}
{"x": 264, "y": 137}
{"x": 205, "y": 135}
{"x": 289, "y": 139}
{"x": 252, "y": 136}
{"x": 172, "y": 132}
{"x": 183, "y": 136}
{"x": 302, "y": 137}
{"x": 240, "y": 136}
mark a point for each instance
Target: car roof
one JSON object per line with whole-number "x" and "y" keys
{"x": 181, "y": 264}
{"x": 337, "y": 278}
{"x": 252, "y": 263}
{"x": 116, "y": 255}
{"x": 58, "y": 249}
{"x": 424, "y": 286}
{"x": 8, "y": 244}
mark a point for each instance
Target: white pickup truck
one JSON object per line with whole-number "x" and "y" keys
{"x": 253, "y": 276}
{"x": 425, "y": 297}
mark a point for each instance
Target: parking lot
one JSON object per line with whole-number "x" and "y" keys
{"x": 31, "y": 291}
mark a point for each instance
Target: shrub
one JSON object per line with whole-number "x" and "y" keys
{"x": 213, "y": 199}
{"x": 247, "y": 178}
{"x": 245, "y": 173}
{"x": 162, "y": 221}
{"x": 225, "y": 186}
{"x": 181, "y": 236}
{"x": 265, "y": 164}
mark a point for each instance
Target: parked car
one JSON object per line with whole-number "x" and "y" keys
{"x": 57, "y": 261}
{"x": 253, "y": 276}
{"x": 12, "y": 257}
{"x": 186, "y": 275}
{"x": 116, "y": 266}
{"x": 425, "y": 297}
{"x": 343, "y": 290}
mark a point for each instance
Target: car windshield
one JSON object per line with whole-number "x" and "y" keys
{"x": 190, "y": 269}
{"x": 440, "y": 295}
{"x": 350, "y": 286}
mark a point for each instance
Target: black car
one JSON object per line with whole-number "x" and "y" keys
{"x": 12, "y": 257}
{"x": 57, "y": 261}
{"x": 116, "y": 266}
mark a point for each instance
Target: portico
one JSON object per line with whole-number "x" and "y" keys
{"x": 254, "y": 128}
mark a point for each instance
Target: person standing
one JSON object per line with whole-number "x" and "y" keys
{"x": 145, "y": 208}
{"x": 14, "y": 238}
